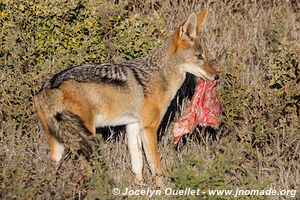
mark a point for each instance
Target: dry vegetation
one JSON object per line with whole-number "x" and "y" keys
{"x": 255, "y": 42}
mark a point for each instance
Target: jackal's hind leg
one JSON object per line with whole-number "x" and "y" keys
{"x": 56, "y": 147}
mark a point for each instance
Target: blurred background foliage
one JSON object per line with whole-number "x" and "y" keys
{"x": 256, "y": 44}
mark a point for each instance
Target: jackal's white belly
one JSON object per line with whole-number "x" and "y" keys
{"x": 101, "y": 120}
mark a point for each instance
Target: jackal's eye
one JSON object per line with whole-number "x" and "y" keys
{"x": 200, "y": 56}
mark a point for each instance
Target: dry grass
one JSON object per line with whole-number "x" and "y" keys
{"x": 257, "y": 146}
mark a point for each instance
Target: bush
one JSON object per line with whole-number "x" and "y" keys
{"x": 256, "y": 44}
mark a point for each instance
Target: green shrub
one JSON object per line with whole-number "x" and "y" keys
{"x": 257, "y": 144}
{"x": 38, "y": 39}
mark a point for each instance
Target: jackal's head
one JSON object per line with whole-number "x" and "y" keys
{"x": 188, "y": 52}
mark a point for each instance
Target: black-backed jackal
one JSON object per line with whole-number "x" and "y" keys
{"x": 134, "y": 93}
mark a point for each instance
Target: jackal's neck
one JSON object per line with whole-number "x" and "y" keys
{"x": 159, "y": 60}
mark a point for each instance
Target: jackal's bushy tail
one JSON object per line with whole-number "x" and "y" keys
{"x": 69, "y": 129}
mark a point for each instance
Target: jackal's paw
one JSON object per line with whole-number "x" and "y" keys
{"x": 159, "y": 181}
{"x": 138, "y": 181}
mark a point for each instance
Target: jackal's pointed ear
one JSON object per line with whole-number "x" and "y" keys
{"x": 201, "y": 18}
{"x": 188, "y": 29}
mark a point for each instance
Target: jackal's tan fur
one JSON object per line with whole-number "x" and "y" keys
{"x": 133, "y": 93}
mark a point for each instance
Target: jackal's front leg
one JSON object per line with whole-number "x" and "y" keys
{"x": 135, "y": 149}
{"x": 149, "y": 139}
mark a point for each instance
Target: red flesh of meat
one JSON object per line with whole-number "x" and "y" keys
{"x": 204, "y": 110}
